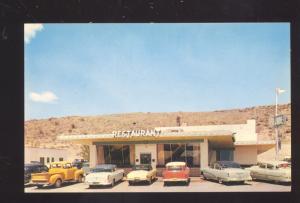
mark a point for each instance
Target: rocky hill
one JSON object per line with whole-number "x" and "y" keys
{"x": 42, "y": 133}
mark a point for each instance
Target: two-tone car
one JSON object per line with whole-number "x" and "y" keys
{"x": 176, "y": 172}
{"x": 141, "y": 173}
{"x": 277, "y": 171}
{"x": 33, "y": 168}
{"x": 59, "y": 173}
{"x": 226, "y": 171}
{"x": 104, "y": 174}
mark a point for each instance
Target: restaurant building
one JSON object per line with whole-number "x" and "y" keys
{"x": 198, "y": 146}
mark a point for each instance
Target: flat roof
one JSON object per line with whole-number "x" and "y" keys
{"x": 162, "y": 135}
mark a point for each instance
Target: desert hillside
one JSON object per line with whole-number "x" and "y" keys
{"x": 42, "y": 133}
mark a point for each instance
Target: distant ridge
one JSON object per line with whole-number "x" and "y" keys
{"x": 43, "y": 132}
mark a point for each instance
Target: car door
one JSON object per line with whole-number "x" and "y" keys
{"x": 274, "y": 173}
{"x": 117, "y": 174}
{"x": 207, "y": 172}
{"x": 70, "y": 171}
{"x": 217, "y": 171}
{"x": 259, "y": 172}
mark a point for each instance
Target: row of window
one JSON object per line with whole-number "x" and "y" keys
{"x": 119, "y": 154}
{"x": 42, "y": 159}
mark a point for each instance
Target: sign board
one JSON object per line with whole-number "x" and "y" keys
{"x": 277, "y": 121}
{"x": 136, "y": 133}
{"x": 280, "y": 120}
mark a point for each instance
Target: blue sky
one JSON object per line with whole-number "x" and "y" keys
{"x": 95, "y": 69}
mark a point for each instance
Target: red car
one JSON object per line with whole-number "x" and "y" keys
{"x": 176, "y": 172}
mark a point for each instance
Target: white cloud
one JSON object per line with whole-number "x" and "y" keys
{"x": 46, "y": 97}
{"x": 30, "y": 31}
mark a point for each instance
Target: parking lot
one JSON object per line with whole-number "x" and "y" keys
{"x": 196, "y": 185}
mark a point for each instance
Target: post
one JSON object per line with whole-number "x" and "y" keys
{"x": 276, "y": 127}
{"x": 93, "y": 155}
{"x": 204, "y": 153}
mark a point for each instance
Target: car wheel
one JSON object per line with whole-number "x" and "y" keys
{"x": 113, "y": 183}
{"x": 91, "y": 186}
{"x": 165, "y": 184}
{"x": 39, "y": 186}
{"x": 130, "y": 183}
{"x": 204, "y": 177}
{"x": 220, "y": 181}
{"x": 149, "y": 181}
{"x": 80, "y": 179}
{"x": 58, "y": 183}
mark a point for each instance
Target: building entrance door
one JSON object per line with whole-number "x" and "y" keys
{"x": 145, "y": 158}
{"x": 146, "y": 154}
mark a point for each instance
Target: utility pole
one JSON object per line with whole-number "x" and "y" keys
{"x": 276, "y": 125}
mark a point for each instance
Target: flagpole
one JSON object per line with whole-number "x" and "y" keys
{"x": 276, "y": 127}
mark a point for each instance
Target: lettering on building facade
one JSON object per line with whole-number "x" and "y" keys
{"x": 136, "y": 133}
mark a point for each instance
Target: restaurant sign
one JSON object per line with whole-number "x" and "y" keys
{"x": 136, "y": 133}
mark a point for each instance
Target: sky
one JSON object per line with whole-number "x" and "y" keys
{"x": 96, "y": 69}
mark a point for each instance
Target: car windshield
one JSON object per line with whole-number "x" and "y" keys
{"x": 27, "y": 169}
{"x": 141, "y": 167}
{"x": 175, "y": 168}
{"x": 55, "y": 166}
{"x": 230, "y": 165}
{"x": 96, "y": 170}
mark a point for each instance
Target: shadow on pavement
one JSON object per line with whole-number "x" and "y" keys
{"x": 142, "y": 183}
{"x": 272, "y": 182}
{"x": 228, "y": 183}
{"x": 53, "y": 187}
{"x": 166, "y": 184}
{"x": 103, "y": 186}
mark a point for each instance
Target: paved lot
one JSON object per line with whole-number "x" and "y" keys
{"x": 196, "y": 185}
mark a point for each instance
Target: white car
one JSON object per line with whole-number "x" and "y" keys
{"x": 104, "y": 174}
{"x": 226, "y": 171}
{"x": 278, "y": 171}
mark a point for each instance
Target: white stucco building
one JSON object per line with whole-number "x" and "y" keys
{"x": 198, "y": 146}
{"x": 45, "y": 155}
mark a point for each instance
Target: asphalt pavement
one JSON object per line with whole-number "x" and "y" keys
{"x": 196, "y": 185}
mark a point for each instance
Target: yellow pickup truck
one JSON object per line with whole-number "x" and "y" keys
{"x": 59, "y": 172}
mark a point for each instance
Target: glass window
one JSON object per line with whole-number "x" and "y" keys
{"x": 270, "y": 166}
{"x": 117, "y": 154}
{"x": 52, "y": 160}
{"x": 55, "y": 166}
{"x": 61, "y": 159}
{"x": 230, "y": 164}
{"x": 48, "y": 159}
{"x": 68, "y": 165}
{"x": 175, "y": 168}
{"x": 142, "y": 167}
{"x": 225, "y": 155}
{"x": 217, "y": 166}
{"x": 188, "y": 153}
{"x": 42, "y": 160}
{"x": 262, "y": 165}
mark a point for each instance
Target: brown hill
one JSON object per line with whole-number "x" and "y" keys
{"x": 42, "y": 133}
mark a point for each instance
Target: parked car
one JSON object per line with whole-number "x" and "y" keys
{"x": 143, "y": 172}
{"x": 278, "y": 171}
{"x": 79, "y": 163}
{"x": 59, "y": 173}
{"x": 226, "y": 171}
{"x": 104, "y": 174}
{"x": 33, "y": 168}
{"x": 176, "y": 172}
{"x": 86, "y": 168}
